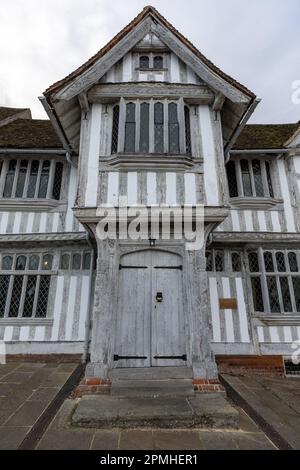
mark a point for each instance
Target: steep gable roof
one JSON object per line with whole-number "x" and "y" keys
{"x": 265, "y": 136}
{"x": 148, "y": 10}
{"x": 29, "y": 134}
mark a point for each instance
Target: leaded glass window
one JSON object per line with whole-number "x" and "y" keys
{"x": 130, "y": 128}
{"x": 24, "y": 291}
{"x": 65, "y": 261}
{"x": 258, "y": 181}
{"x": 257, "y": 294}
{"x": 144, "y": 128}
{"x": 236, "y": 262}
{"x": 219, "y": 261}
{"x": 115, "y": 129}
{"x": 231, "y": 178}
{"x": 144, "y": 62}
{"x": 173, "y": 128}
{"x": 249, "y": 178}
{"x": 76, "y": 261}
{"x": 29, "y": 178}
{"x": 159, "y": 128}
{"x": 253, "y": 262}
{"x": 188, "y": 143}
{"x": 246, "y": 178}
{"x": 158, "y": 62}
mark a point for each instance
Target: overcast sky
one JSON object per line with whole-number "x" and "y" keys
{"x": 257, "y": 42}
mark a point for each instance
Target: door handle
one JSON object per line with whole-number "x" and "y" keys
{"x": 159, "y": 297}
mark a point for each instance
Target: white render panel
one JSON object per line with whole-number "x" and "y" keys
{"x": 113, "y": 189}
{"x": 58, "y": 307}
{"x": 190, "y": 188}
{"x": 248, "y": 221}
{"x": 260, "y": 334}
{"x": 151, "y": 189}
{"x": 215, "y": 313}
{"x": 39, "y": 334}
{"x": 274, "y": 334}
{"x": 17, "y": 222}
{"x": 287, "y": 334}
{"x": 24, "y": 333}
{"x": 289, "y": 215}
{"x": 127, "y": 68}
{"x": 71, "y": 307}
{"x": 4, "y": 221}
{"x": 242, "y": 312}
{"x": 209, "y": 155}
{"x": 84, "y": 302}
{"x": 262, "y": 221}
{"x": 175, "y": 72}
{"x": 93, "y": 158}
{"x": 275, "y": 221}
{"x": 43, "y": 222}
{"x": 171, "y": 188}
{"x": 8, "y": 334}
{"x": 235, "y": 221}
{"x": 132, "y": 188}
{"x": 30, "y": 221}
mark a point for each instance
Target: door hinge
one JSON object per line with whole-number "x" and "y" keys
{"x": 183, "y": 357}
{"x": 117, "y": 357}
{"x": 169, "y": 267}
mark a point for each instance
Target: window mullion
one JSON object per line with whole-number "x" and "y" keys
{"x": 37, "y": 187}
{"x": 3, "y": 176}
{"x": 137, "y": 125}
{"x": 151, "y": 127}
{"x": 51, "y": 179}
{"x": 36, "y": 294}
{"x": 27, "y": 178}
{"x": 166, "y": 127}
{"x": 22, "y": 297}
{"x": 122, "y": 119}
{"x": 238, "y": 172}
{"x": 250, "y": 166}
{"x": 13, "y": 191}
{"x": 264, "y": 178}
{"x": 292, "y": 295}
{"x": 264, "y": 285}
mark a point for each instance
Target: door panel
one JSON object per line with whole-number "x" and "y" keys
{"x": 146, "y": 327}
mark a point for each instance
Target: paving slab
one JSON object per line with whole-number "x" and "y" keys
{"x": 177, "y": 440}
{"x": 167, "y": 412}
{"x": 136, "y": 439}
{"x": 271, "y": 404}
{"x": 105, "y": 440}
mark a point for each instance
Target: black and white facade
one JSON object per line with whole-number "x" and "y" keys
{"x": 151, "y": 120}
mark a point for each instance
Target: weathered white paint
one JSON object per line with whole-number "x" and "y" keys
{"x": 151, "y": 188}
{"x": 71, "y": 307}
{"x": 57, "y": 307}
{"x": 30, "y": 222}
{"x": 242, "y": 312}
{"x": 171, "y": 188}
{"x": 286, "y": 197}
{"x": 228, "y": 312}
{"x": 215, "y": 309}
{"x": 287, "y": 334}
{"x": 174, "y": 69}
{"x": 43, "y": 222}
{"x": 275, "y": 221}
{"x": 235, "y": 221}
{"x": 3, "y": 224}
{"x": 8, "y": 334}
{"x": 84, "y": 301}
{"x": 39, "y": 334}
{"x": 17, "y": 222}
{"x": 93, "y": 157}
{"x": 127, "y": 68}
{"x": 190, "y": 189}
{"x": 24, "y": 333}
{"x": 208, "y": 145}
{"x": 248, "y": 221}
{"x": 260, "y": 334}
{"x": 113, "y": 189}
{"x": 71, "y": 199}
{"x": 274, "y": 334}
{"x": 132, "y": 188}
{"x": 55, "y": 222}
{"x": 262, "y": 221}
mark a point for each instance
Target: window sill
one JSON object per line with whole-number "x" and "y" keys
{"x": 254, "y": 202}
{"x": 26, "y": 321}
{"x": 32, "y": 205}
{"x": 141, "y": 161}
{"x": 283, "y": 319}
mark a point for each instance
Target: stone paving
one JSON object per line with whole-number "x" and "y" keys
{"x": 276, "y": 402}
{"x": 62, "y": 436}
{"x": 26, "y": 390}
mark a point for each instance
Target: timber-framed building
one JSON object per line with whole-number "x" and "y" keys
{"x": 151, "y": 119}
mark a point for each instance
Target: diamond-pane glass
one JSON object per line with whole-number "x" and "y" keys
{"x": 29, "y": 296}
{"x": 4, "y": 284}
{"x": 44, "y": 179}
{"x": 246, "y": 178}
{"x": 269, "y": 264}
{"x": 76, "y": 261}
{"x": 86, "y": 260}
{"x": 144, "y": 62}
{"x": 296, "y": 285}
{"x": 7, "y": 262}
{"x": 144, "y": 128}
{"x": 253, "y": 262}
{"x": 16, "y": 296}
{"x": 273, "y": 294}
{"x": 258, "y": 182}
{"x": 34, "y": 262}
{"x": 231, "y": 178}
{"x": 115, "y": 130}
{"x": 270, "y": 186}
{"x": 21, "y": 178}
{"x": 209, "y": 261}
{"x": 293, "y": 262}
{"x": 258, "y": 302}
{"x": 158, "y": 128}
{"x": 33, "y": 178}
{"x": 57, "y": 180}
{"x": 21, "y": 263}
{"x": 280, "y": 261}
{"x": 42, "y": 302}
{"x": 286, "y": 295}
{"x": 9, "y": 180}
{"x": 188, "y": 143}
{"x": 236, "y": 262}
{"x": 158, "y": 62}
{"x": 47, "y": 262}
{"x": 173, "y": 128}
{"x": 219, "y": 261}
{"x": 65, "y": 261}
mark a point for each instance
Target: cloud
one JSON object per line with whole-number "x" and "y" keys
{"x": 256, "y": 42}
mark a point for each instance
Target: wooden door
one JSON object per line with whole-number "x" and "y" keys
{"x": 150, "y": 320}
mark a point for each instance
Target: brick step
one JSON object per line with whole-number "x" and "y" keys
{"x": 201, "y": 411}
{"x": 146, "y": 373}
